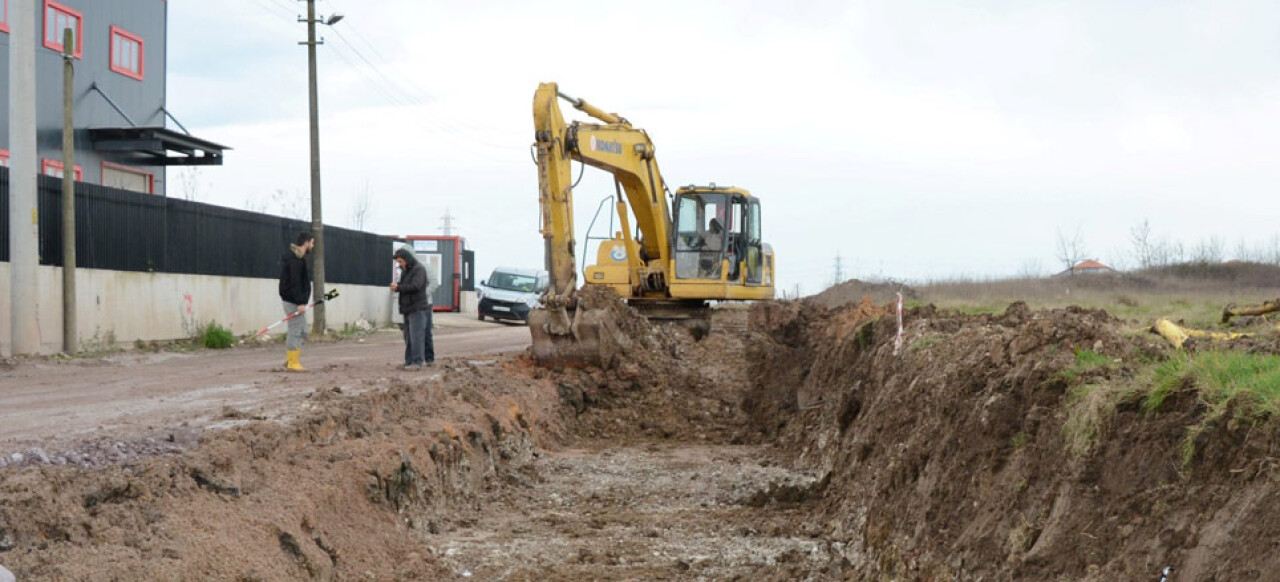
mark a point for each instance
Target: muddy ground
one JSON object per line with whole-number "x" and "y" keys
{"x": 797, "y": 442}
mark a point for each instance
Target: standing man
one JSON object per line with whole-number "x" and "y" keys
{"x": 415, "y": 306}
{"x": 295, "y": 292}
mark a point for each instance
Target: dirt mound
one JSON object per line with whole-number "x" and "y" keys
{"x": 315, "y": 499}
{"x": 853, "y": 291}
{"x": 952, "y": 459}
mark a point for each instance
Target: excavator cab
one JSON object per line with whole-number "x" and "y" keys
{"x": 718, "y": 250}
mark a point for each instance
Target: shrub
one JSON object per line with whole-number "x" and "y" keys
{"x": 216, "y": 337}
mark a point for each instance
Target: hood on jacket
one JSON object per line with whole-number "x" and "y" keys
{"x": 298, "y": 251}
{"x": 407, "y": 255}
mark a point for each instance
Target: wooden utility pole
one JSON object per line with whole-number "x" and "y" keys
{"x": 69, "y": 339}
{"x": 317, "y": 224}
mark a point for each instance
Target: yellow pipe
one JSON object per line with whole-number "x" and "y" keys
{"x": 1177, "y": 335}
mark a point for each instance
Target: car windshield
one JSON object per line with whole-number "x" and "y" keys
{"x": 513, "y": 282}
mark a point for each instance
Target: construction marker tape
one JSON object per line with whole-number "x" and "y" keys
{"x": 897, "y": 342}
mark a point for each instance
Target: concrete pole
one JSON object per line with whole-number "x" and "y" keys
{"x": 69, "y": 338}
{"x": 317, "y": 223}
{"x": 24, "y": 226}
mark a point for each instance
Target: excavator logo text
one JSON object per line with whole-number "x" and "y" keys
{"x": 612, "y": 147}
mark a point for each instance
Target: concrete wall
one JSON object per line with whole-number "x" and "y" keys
{"x": 124, "y": 306}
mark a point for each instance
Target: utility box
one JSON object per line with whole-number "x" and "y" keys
{"x": 450, "y": 266}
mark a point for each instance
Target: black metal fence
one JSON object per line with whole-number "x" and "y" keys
{"x": 122, "y": 230}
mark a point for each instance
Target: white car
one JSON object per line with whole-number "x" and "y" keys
{"x": 511, "y": 293}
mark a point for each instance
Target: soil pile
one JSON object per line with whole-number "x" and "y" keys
{"x": 853, "y": 291}
{"x": 951, "y": 460}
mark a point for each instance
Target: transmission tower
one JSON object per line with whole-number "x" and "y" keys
{"x": 446, "y": 223}
{"x": 839, "y": 270}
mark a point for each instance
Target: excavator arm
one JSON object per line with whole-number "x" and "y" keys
{"x": 566, "y": 332}
{"x": 617, "y": 148}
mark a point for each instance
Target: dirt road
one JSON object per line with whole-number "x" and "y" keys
{"x": 55, "y": 405}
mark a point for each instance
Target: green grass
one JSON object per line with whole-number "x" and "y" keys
{"x": 216, "y": 337}
{"x": 1237, "y": 385}
{"x": 1086, "y": 361}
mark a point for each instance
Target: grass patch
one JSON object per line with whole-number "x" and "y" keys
{"x": 1245, "y": 385}
{"x": 215, "y": 336}
{"x": 1223, "y": 380}
{"x": 1086, "y": 361}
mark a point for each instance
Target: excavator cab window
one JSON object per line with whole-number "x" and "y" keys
{"x": 701, "y": 234}
{"x": 754, "y": 245}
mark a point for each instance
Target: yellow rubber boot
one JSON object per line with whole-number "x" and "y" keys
{"x": 293, "y": 364}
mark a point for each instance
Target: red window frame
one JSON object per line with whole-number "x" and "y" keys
{"x": 65, "y": 11}
{"x": 125, "y": 35}
{"x": 4, "y": 16}
{"x": 151, "y": 178}
{"x": 47, "y": 164}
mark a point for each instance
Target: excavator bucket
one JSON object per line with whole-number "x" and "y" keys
{"x": 576, "y": 339}
{"x": 592, "y": 333}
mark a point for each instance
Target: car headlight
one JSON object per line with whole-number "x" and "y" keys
{"x": 532, "y": 302}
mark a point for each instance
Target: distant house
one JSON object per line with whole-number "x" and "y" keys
{"x": 1087, "y": 267}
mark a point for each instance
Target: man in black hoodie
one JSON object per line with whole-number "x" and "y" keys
{"x": 415, "y": 306}
{"x": 295, "y": 292}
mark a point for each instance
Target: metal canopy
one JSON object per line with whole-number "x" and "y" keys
{"x": 156, "y": 146}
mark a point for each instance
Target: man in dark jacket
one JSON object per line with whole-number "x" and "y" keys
{"x": 295, "y": 292}
{"x": 415, "y": 306}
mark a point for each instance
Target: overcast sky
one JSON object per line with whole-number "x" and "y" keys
{"x": 915, "y": 139}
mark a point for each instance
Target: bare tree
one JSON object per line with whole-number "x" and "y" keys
{"x": 293, "y": 206}
{"x": 256, "y": 204}
{"x": 1071, "y": 249}
{"x": 189, "y": 182}
{"x": 362, "y": 210}
{"x": 1144, "y": 246}
{"x": 1031, "y": 269}
{"x": 1208, "y": 250}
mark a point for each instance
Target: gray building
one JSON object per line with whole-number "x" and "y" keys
{"x": 122, "y": 139}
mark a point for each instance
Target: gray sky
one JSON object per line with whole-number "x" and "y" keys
{"x": 916, "y": 139}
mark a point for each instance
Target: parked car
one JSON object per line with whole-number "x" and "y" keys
{"x": 509, "y": 294}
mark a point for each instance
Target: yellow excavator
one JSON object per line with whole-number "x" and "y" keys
{"x": 700, "y": 244}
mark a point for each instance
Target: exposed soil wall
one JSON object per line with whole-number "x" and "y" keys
{"x": 949, "y": 459}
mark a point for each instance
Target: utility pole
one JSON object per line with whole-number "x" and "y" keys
{"x": 317, "y": 223}
{"x": 24, "y": 224}
{"x": 69, "y": 339}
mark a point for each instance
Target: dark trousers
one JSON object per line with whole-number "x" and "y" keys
{"x": 418, "y": 346}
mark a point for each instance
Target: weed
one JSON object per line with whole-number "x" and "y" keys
{"x": 1019, "y": 440}
{"x": 1086, "y": 361}
{"x": 216, "y": 337}
{"x": 1090, "y": 360}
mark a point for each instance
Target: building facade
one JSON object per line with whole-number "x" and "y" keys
{"x": 119, "y": 94}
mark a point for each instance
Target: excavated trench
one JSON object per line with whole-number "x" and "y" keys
{"x": 798, "y": 442}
